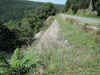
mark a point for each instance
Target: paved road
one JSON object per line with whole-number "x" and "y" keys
{"x": 83, "y": 19}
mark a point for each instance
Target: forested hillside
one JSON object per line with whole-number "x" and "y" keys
{"x": 16, "y": 10}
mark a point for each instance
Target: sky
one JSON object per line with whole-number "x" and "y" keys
{"x": 53, "y": 1}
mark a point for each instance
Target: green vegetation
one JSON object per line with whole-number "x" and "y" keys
{"x": 8, "y": 39}
{"x": 15, "y": 10}
{"x": 18, "y": 9}
{"x": 28, "y": 26}
{"x": 83, "y": 54}
{"x": 18, "y": 65}
{"x": 15, "y": 34}
{"x": 24, "y": 30}
{"x": 97, "y": 6}
{"x": 79, "y": 56}
{"x": 19, "y": 33}
{"x": 83, "y": 13}
{"x": 85, "y": 50}
{"x": 46, "y": 10}
{"x": 76, "y": 5}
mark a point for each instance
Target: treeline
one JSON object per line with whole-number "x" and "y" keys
{"x": 17, "y": 33}
{"x": 75, "y": 5}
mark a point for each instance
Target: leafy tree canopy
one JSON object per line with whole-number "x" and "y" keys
{"x": 46, "y": 10}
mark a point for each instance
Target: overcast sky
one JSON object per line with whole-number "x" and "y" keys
{"x": 53, "y": 1}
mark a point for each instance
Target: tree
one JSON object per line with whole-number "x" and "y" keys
{"x": 46, "y": 10}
